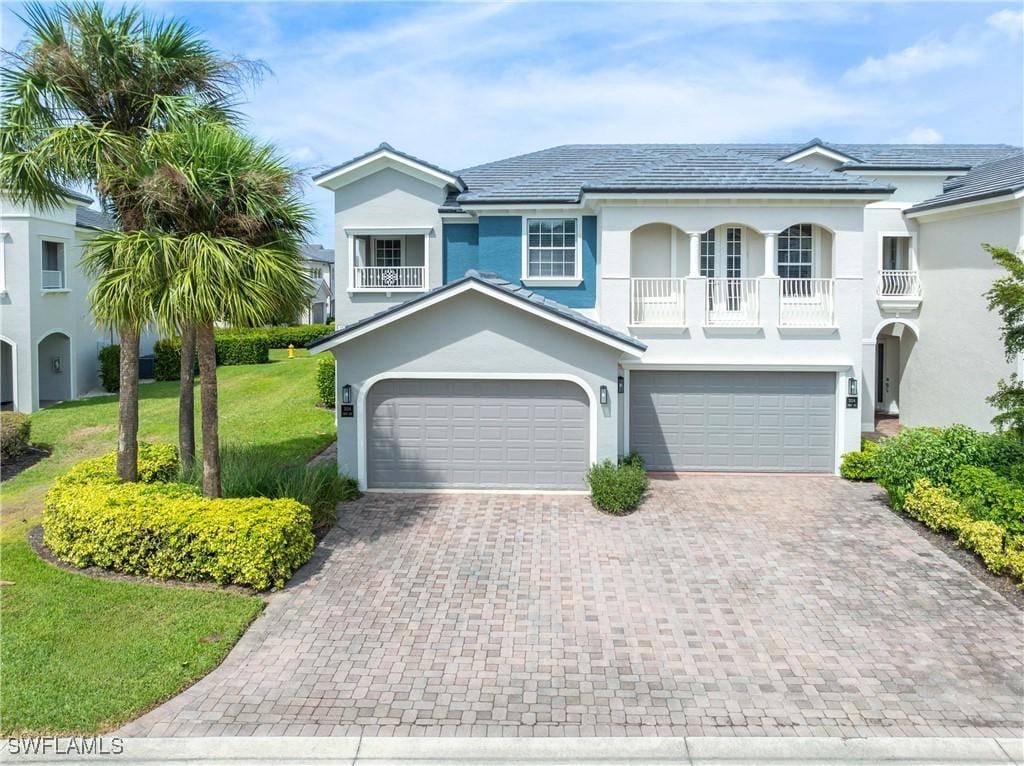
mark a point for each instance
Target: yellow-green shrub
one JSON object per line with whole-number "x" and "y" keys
{"x": 860, "y": 466}
{"x": 986, "y": 539}
{"x": 164, "y": 529}
{"x": 935, "y": 506}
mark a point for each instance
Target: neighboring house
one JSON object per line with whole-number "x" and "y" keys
{"x": 48, "y": 340}
{"x": 319, "y": 264}
{"x": 712, "y": 307}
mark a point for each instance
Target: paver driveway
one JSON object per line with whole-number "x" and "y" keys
{"x": 725, "y": 605}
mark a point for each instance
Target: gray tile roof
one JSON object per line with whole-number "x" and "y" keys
{"x": 385, "y": 146}
{"x": 317, "y": 253}
{"x": 992, "y": 179}
{"x": 492, "y": 280}
{"x": 562, "y": 174}
{"x": 87, "y": 218}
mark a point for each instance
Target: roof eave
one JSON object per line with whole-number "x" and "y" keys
{"x": 1010, "y": 193}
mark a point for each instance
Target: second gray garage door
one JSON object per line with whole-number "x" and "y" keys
{"x": 518, "y": 434}
{"x": 733, "y": 421}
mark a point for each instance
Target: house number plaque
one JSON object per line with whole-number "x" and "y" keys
{"x": 348, "y": 410}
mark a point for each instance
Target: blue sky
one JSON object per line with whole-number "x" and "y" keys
{"x": 460, "y": 84}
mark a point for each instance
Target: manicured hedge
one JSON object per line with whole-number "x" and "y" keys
{"x": 860, "y": 466}
{"x": 15, "y": 434}
{"x": 299, "y": 335}
{"x": 233, "y": 348}
{"x": 938, "y": 508}
{"x": 988, "y": 496}
{"x": 162, "y": 529}
{"x": 325, "y": 380}
{"x": 110, "y": 368}
{"x": 618, "y": 488}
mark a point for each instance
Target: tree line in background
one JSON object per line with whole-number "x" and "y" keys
{"x": 209, "y": 221}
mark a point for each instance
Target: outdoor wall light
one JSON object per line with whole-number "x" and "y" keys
{"x": 851, "y": 388}
{"x": 346, "y": 394}
{"x": 622, "y": 385}
{"x": 604, "y": 394}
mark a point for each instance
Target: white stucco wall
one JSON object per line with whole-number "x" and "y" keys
{"x": 959, "y": 357}
{"x": 387, "y": 199}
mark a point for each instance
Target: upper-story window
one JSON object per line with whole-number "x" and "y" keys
{"x": 54, "y": 271}
{"x": 796, "y": 252}
{"x": 552, "y": 250}
{"x": 387, "y": 252}
{"x": 896, "y": 253}
{"x": 707, "y": 254}
{"x": 734, "y": 252}
{"x": 316, "y": 273}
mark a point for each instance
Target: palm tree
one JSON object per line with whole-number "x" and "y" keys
{"x": 81, "y": 95}
{"x": 234, "y": 219}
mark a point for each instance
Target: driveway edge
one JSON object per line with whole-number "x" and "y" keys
{"x": 512, "y": 751}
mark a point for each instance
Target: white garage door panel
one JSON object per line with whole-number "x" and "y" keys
{"x": 720, "y": 421}
{"x": 477, "y": 434}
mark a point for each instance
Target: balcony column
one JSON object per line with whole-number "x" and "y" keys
{"x": 769, "y": 254}
{"x": 694, "y": 253}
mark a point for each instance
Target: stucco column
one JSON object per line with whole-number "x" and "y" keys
{"x": 769, "y": 253}
{"x": 694, "y": 253}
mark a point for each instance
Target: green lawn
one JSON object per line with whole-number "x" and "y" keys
{"x": 81, "y": 655}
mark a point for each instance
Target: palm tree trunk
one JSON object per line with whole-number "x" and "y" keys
{"x": 128, "y": 406}
{"x": 187, "y": 398}
{"x": 208, "y": 394}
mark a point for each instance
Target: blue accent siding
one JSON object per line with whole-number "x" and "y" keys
{"x": 496, "y": 245}
{"x": 460, "y": 246}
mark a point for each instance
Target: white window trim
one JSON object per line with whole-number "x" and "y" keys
{"x": 64, "y": 243}
{"x": 551, "y": 281}
{"x": 911, "y": 254}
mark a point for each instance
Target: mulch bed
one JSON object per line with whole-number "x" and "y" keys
{"x": 35, "y": 539}
{"x": 1005, "y": 585}
{"x": 11, "y": 468}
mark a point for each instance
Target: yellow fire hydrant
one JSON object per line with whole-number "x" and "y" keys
{"x": 291, "y": 351}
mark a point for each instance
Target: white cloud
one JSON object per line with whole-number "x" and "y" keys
{"x": 922, "y": 135}
{"x": 1010, "y": 22}
{"x": 913, "y": 61}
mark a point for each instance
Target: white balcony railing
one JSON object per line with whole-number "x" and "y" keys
{"x": 806, "y": 303}
{"x": 656, "y": 302}
{"x": 731, "y": 303}
{"x": 388, "y": 278}
{"x": 53, "y": 280}
{"x": 898, "y": 284}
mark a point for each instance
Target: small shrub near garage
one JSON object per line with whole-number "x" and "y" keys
{"x": 325, "y": 380}
{"x": 15, "y": 435}
{"x": 860, "y": 466}
{"x": 618, "y": 488}
{"x": 110, "y": 368}
{"x": 168, "y": 530}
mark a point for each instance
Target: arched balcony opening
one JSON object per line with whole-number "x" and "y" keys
{"x": 657, "y": 266}
{"x": 804, "y": 261}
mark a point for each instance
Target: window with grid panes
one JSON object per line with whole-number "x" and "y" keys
{"x": 551, "y": 248}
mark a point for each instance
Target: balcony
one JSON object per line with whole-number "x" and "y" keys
{"x": 656, "y": 302}
{"x": 53, "y": 280}
{"x": 806, "y": 303}
{"x": 898, "y": 291}
{"x": 732, "y": 303}
{"x": 388, "y": 278}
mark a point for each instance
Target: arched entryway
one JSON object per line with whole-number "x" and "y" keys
{"x": 54, "y": 369}
{"x": 894, "y": 342}
{"x": 8, "y": 375}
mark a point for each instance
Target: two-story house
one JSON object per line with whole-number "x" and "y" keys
{"x": 318, "y": 262}
{"x": 712, "y": 307}
{"x": 48, "y": 339}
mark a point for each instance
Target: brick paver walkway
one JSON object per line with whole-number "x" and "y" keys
{"x": 726, "y": 605}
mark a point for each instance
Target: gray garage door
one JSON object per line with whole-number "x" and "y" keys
{"x": 477, "y": 434}
{"x": 733, "y": 421}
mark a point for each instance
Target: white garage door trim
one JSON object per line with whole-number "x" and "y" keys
{"x": 368, "y": 384}
{"x": 843, "y": 371}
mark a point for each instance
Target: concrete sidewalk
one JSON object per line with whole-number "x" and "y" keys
{"x": 381, "y": 751}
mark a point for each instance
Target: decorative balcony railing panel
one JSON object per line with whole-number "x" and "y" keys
{"x": 732, "y": 303}
{"x": 806, "y": 303}
{"x": 53, "y": 280}
{"x": 898, "y": 284}
{"x": 388, "y": 278}
{"x": 656, "y": 302}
